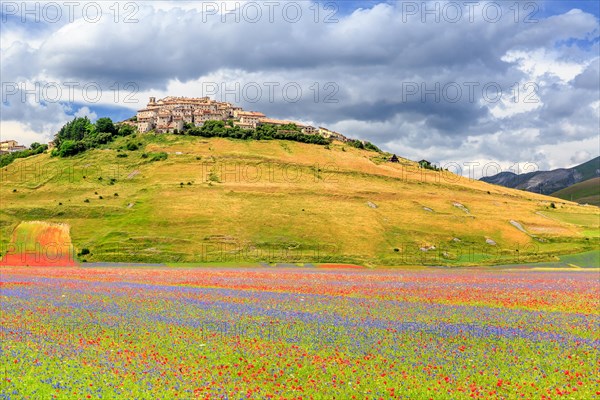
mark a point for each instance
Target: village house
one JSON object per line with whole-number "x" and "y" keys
{"x": 163, "y": 120}
{"x": 146, "y": 120}
{"x": 244, "y": 125}
{"x": 250, "y": 117}
{"x": 10, "y": 146}
{"x": 332, "y": 135}
{"x": 200, "y": 117}
{"x": 310, "y": 130}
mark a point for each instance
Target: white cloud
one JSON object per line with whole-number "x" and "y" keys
{"x": 580, "y": 156}
{"x": 86, "y": 112}
{"x": 22, "y": 133}
{"x": 570, "y": 153}
{"x": 540, "y": 62}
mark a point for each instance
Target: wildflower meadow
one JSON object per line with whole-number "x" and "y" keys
{"x": 305, "y": 333}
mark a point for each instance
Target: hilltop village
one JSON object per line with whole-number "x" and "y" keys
{"x": 172, "y": 114}
{"x": 183, "y": 116}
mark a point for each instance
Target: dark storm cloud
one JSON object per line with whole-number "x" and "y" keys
{"x": 184, "y": 44}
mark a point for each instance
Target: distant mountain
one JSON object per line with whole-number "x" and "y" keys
{"x": 547, "y": 182}
{"x": 586, "y": 192}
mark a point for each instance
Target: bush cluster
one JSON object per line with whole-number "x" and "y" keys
{"x": 427, "y": 165}
{"x": 157, "y": 156}
{"x": 359, "y": 144}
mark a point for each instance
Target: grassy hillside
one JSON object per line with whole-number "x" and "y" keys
{"x": 586, "y": 192}
{"x": 217, "y": 200}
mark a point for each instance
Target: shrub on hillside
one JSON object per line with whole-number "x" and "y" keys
{"x": 126, "y": 130}
{"x": 70, "y": 148}
{"x": 132, "y": 146}
{"x": 372, "y": 147}
{"x": 158, "y": 156}
{"x": 364, "y": 145}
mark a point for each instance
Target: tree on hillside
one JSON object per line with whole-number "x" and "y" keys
{"x": 75, "y": 130}
{"x": 126, "y": 130}
{"x": 105, "y": 125}
{"x": 187, "y": 126}
{"x": 99, "y": 138}
{"x": 213, "y": 126}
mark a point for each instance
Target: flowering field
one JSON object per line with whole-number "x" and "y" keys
{"x": 38, "y": 243}
{"x": 142, "y": 333}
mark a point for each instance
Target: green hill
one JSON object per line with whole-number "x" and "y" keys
{"x": 586, "y": 192}
{"x": 193, "y": 199}
{"x": 589, "y": 169}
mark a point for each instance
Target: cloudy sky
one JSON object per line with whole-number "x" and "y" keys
{"x": 510, "y": 82}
